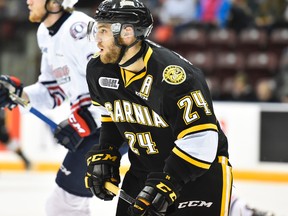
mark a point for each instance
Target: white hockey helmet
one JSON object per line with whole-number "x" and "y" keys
{"x": 67, "y": 4}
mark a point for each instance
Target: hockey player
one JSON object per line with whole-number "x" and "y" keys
{"x": 160, "y": 104}
{"x": 65, "y": 53}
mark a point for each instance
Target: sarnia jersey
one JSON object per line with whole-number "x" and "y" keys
{"x": 165, "y": 109}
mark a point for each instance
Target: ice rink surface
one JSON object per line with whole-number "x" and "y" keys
{"x": 24, "y": 194}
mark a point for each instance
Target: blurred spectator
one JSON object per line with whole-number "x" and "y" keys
{"x": 213, "y": 13}
{"x": 13, "y": 15}
{"x": 238, "y": 88}
{"x": 3, "y": 9}
{"x": 152, "y": 5}
{"x": 177, "y": 12}
{"x": 174, "y": 15}
{"x": 240, "y": 16}
{"x": 13, "y": 9}
{"x": 267, "y": 13}
{"x": 265, "y": 90}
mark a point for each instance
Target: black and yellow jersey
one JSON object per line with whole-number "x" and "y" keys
{"x": 166, "y": 109}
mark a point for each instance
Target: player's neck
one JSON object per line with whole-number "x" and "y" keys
{"x": 52, "y": 19}
{"x": 138, "y": 64}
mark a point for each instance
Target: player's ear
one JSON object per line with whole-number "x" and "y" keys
{"x": 127, "y": 34}
{"x": 53, "y": 5}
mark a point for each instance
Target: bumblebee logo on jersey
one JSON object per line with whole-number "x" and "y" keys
{"x": 111, "y": 83}
{"x": 195, "y": 203}
{"x": 124, "y": 111}
{"x": 174, "y": 75}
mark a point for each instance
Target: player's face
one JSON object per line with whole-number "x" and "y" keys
{"x": 37, "y": 10}
{"x": 109, "y": 51}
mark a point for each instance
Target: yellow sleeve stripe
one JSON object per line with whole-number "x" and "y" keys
{"x": 227, "y": 185}
{"x": 223, "y": 160}
{"x": 106, "y": 119}
{"x": 196, "y": 129}
{"x": 190, "y": 160}
{"x": 95, "y": 103}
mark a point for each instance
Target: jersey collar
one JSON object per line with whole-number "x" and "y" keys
{"x": 56, "y": 26}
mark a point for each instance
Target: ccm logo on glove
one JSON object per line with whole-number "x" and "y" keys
{"x": 79, "y": 124}
{"x": 101, "y": 157}
{"x": 161, "y": 186}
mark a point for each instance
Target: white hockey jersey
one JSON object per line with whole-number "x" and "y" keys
{"x": 63, "y": 65}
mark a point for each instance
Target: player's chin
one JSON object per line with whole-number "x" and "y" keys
{"x": 34, "y": 19}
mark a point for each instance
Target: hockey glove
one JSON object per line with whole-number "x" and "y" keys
{"x": 82, "y": 121}
{"x": 103, "y": 164}
{"x": 160, "y": 191}
{"x": 9, "y": 84}
{"x": 70, "y": 132}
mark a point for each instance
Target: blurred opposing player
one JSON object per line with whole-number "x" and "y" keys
{"x": 239, "y": 207}
{"x": 65, "y": 52}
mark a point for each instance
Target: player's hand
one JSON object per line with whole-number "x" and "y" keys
{"x": 70, "y": 132}
{"x": 65, "y": 135}
{"x": 160, "y": 191}
{"x": 103, "y": 164}
{"x": 9, "y": 84}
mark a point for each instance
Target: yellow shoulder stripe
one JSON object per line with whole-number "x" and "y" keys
{"x": 106, "y": 119}
{"x": 196, "y": 129}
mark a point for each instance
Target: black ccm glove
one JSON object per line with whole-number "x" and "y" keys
{"x": 103, "y": 164}
{"x": 9, "y": 84}
{"x": 160, "y": 191}
{"x": 71, "y": 132}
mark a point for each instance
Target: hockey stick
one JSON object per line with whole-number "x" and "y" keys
{"x": 25, "y": 104}
{"x": 116, "y": 190}
{"x": 31, "y": 109}
{"x": 123, "y": 195}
